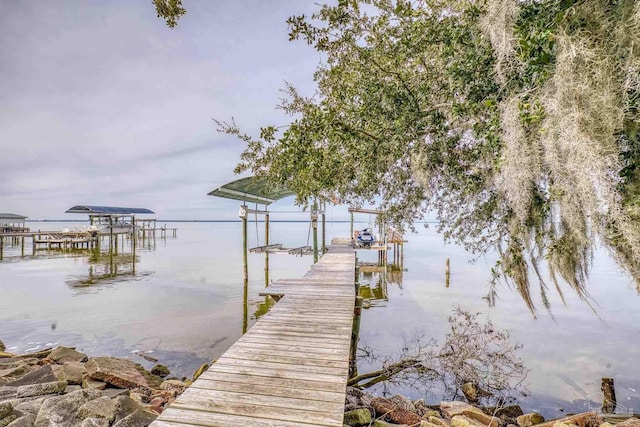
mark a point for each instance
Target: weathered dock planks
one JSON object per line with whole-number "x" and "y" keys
{"x": 291, "y": 367}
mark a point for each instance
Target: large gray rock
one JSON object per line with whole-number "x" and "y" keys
{"x": 103, "y": 407}
{"x": 121, "y": 373}
{"x": 43, "y": 374}
{"x": 358, "y": 417}
{"x": 94, "y": 422}
{"x": 13, "y": 371}
{"x": 65, "y": 354}
{"x": 7, "y": 393}
{"x": 71, "y": 372}
{"x": 130, "y": 414}
{"x": 451, "y": 409}
{"x": 528, "y": 420}
{"x": 30, "y": 405}
{"x": 24, "y": 421}
{"x": 5, "y": 409}
{"x": 4, "y": 422}
{"x": 61, "y": 410}
{"x": 41, "y": 389}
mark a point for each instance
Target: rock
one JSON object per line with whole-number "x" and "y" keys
{"x": 560, "y": 424}
{"x": 43, "y": 374}
{"x": 4, "y": 422}
{"x": 102, "y": 407}
{"x": 451, "y": 409}
{"x": 423, "y": 410}
{"x": 30, "y": 405}
{"x": 71, "y": 372}
{"x": 428, "y": 424}
{"x": 114, "y": 392}
{"x": 61, "y": 410}
{"x": 65, "y": 354}
{"x": 121, "y": 373}
{"x": 200, "y": 370}
{"x": 353, "y": 396}
{"x": 507, "y": 414}
{"x": 156, "y": 404}
{"x": 528, "y": 420}
{"x": 402, "y": 402}
{"x": 137, "y": 419}
{"x": 586, "y": 419}
{"x": 388, "y": 411}
{"x": 438, "y": 421}
{"x": 42, "y": 389}
{"x": 130, "y": 414}
{"x": 2, "y": 347}
{"x": 464, "y": 421}
{"x": 38, "y": 354}
{"x": 359, "y": 417}
{"x": 173, "y": 385}
{"x": 380, "y": 423}
{"x": 631, "y": 422}
{"x": 10, "y": 374}
{"x": 7, "y": 392}
{"x": 160, "y": 370}
{"x": 94, "y": 422}
{"x": 483, "y": 418}
{"x": 93, "y": 384}
{"x": 24, "y": 421}
{"x": 5, "y": 409}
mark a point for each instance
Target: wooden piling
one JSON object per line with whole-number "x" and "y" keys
{"x": 355, "y": 335}
{"x": 609, "y": 394}
{"x": 447, "y": 273}
{"x": 266, "y": 253}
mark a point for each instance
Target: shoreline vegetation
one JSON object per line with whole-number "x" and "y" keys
{"x": 63, "y": 387}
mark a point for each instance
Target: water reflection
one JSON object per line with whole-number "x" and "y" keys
{"x": 375, "y": 280}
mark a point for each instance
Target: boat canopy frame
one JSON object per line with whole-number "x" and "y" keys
{"x": 107, "y": 210}
{"x": 252, "y": 189}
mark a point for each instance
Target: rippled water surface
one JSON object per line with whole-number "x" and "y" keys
{"x": 182, "y": 302}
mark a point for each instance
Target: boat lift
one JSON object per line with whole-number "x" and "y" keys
{"x": 257, "y": 191}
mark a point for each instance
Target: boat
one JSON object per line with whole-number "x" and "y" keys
{"x": 364, "y": 238}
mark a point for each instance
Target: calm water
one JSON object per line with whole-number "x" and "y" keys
{"x": 183, "y": 305}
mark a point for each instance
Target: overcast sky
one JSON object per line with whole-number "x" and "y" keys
{"x": 101, "y": 103}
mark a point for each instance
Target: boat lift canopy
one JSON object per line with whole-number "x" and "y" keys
{"x": 253, "y": 190}
{"x": 107, "y": 210}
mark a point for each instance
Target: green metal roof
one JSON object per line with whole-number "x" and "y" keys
{"x": 253, "y": 190}
{"x": 12, "y": 216}
{"x": 107, "y": 210}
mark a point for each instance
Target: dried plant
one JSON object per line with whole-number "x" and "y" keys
{"x": 473, "y": 352}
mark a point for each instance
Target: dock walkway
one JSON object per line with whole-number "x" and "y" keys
{"x": 291, "y": 367}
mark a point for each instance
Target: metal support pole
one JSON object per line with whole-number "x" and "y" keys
{"x": 324, "y": 230}
{"x": 351, "y": 235}
{"x": 266, "y": 252}
{"x": 314, "y": 224}
{"x": 245, "y": 260}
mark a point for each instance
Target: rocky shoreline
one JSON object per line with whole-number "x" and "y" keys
{"x": 64, "y": 387}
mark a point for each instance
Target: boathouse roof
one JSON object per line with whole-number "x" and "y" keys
{"x": 108, "y": 210}
{"x": 12, "y": 216}
{"x": 253, "y": 190}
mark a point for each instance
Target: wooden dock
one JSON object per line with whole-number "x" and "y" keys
{"x": 291, "y": 367}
